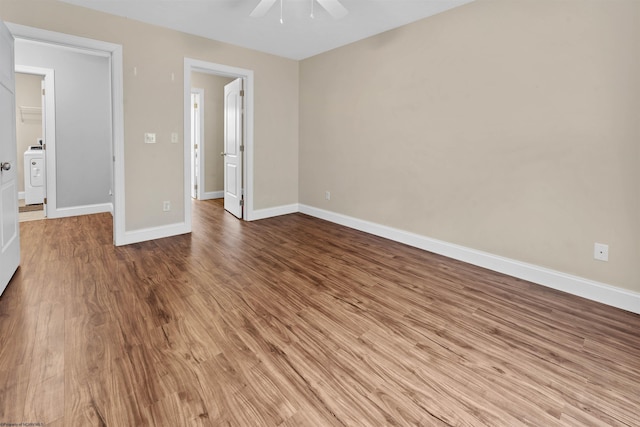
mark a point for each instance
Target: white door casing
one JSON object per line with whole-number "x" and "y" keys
{"x": 197, "y": 143}
{"x": 233, "y": 146}
{"x": 9, "y": 229}
{"x": 194, "y": 146}
{"x": 44, "y": 136}
{"x": 195, "y": 65}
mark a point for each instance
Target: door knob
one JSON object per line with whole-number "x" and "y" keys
{"x": 5, "y": 166}
{"x": 223, "y": 154}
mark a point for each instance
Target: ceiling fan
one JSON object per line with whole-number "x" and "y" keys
{"x": 333, "y": 7}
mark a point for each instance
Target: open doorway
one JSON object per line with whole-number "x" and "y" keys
{"x": 105, "y": 172}
{"x": 212, "y": 156}
{"x": 207, "y": 135}
{"x": 30, "y": 145}
{"x": 35, "y": 127}
{"x": 78, "y": 163}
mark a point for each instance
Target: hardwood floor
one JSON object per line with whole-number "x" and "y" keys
{"x": 293, "y": 321}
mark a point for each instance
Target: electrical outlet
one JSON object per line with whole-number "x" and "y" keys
{"x": 174, "y": 137}
{"x": 327, "y": 195}
{"x": 601, "y": 252}
{"x": 166, "y": 206}
{"x": 149, "y": 138}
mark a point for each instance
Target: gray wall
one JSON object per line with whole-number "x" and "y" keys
{"x": 83, "y": 121}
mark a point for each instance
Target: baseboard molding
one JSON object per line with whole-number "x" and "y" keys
{"x": 79, "y": 210}
{"x": 212, "y": 195}
{"x": 20, "y": 195}
{"x": 589, "y": 289}
{"x": 152, "y": 233}
{"x": 271, "y": 212}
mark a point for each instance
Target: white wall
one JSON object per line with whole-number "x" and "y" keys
{"x": 83, "y": 121}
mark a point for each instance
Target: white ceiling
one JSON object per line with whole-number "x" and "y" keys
{"x": 298, "y": 38}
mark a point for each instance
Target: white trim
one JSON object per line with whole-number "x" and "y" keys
{"x": 276, "y": 211}
{"x": 208, "y": 195}
{"x": 201, "y": 141}
{"x": 77, "y": 43}
{"x": 191, "y": 65}
{"x": 50, "y": 136}
{"x": 153, "y": 233}
{"x": 20, "y": 195}
{"x": 82, "y": 210}
{"x": 114, "y": 52}
{"x": 589, "y": 289}
{"x": 117, "y": 117}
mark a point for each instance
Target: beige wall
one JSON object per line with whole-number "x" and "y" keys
{"x": 29, "y": 126}
{"x": 154, "y": 103}
{"x": 510, "y": 127}
{"x": 213, "y": 87}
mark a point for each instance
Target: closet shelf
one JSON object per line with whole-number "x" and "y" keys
{"x": 30, "y": 113}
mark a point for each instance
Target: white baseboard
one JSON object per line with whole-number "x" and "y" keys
{"x": 589, "y": 289}
{"x": 208, "y": 195}
{"x": 153, "y": 233}
{"x": 79, "y": 210}
{"x": 271, "y": 212}
{"x": 20, "y": 195}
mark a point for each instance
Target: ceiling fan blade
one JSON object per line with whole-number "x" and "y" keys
{"x": 334, "y": 7}
{"x": 262, "y": 8}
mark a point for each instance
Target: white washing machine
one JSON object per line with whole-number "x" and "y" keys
{"x": 34, "y": 175}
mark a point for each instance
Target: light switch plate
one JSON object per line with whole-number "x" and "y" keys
{"x": 150, "y": 138}
{"x": 174, "y": 137}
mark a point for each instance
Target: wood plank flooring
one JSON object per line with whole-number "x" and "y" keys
{"x": 293, "y": 321}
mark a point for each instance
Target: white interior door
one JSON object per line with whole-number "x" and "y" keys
{"x": 233, "y": 147}
{"x": 9, "y": 230}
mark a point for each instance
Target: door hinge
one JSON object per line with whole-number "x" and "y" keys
{"x": 242, "y": 148}
{"x": 242, "y": 92}
{"x": 195, "y": 105}
{"x": 45, "y": 200}
{"x": 114, "y": 158}
{"x": 42, "y": 91}
{"x": 44, "y": 146}
{"x": 195, "y": 146}
{"x": 195, "y": 187}
{"x": 242, "y": 201}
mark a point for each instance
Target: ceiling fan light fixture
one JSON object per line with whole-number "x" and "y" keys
{"x": 333, "y": 8}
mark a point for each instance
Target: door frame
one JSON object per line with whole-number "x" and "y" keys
{"x": 191, "y": 65}
{"x": 200, "y": 150}
{"x": 48, "y": 75}
{"x": 114, "y": 53}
